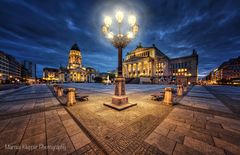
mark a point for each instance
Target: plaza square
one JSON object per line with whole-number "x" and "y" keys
{"x": 119, "y": 77}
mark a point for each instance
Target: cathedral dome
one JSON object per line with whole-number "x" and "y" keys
{"x": 75, "y": 58}
{"x": 75, "y": 47}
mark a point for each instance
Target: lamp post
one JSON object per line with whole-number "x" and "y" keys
{"x": 188, "y": 75}
{"x": 120, "y": 40}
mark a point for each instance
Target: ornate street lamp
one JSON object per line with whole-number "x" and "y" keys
{"x": 120, "y": 41}
{"x": 188, "y": 75}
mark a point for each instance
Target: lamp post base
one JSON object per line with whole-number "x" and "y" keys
{"x": 120, "y": 100}
{"x": 120, "y": 103}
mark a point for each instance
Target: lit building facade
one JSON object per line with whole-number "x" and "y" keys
{"x": 227, "y": 73}
{"x": 91, "y": 74}
{"x": 230, "y": 69}
{"x": 75, "y": 69}
{"x": 50, "y": 74}
{"x": 4, "y": 67}
{"x": 14, "y": 67}
{"x": 150, "y": 65}
{"x": 10, "y": 68}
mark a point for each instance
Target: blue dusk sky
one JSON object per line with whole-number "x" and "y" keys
{"x": 43, "y": 31}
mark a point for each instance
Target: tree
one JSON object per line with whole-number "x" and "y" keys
{"x": 98, "y": 79}
{"x": 111, "y": 76}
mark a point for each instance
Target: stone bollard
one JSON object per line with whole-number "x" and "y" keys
{"x": 185, "y": 88}
{"x": 168, "y": 96}
{"x": 55, "y": 88}
{"x": 180, "y": 90}
{"x": 59, "y": 91}
{"x": 71, "y": 96}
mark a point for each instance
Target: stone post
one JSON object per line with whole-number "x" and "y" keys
{"x": 71, "y": 96}
{"x": 168, "y": 96}
{"x": 180, "y": 90}
{"x": 185, "y": 88}
{"x": 55, "y": 88}
{"x": 59, "y": 91}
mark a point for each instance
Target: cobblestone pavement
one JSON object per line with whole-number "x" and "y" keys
{"x": 207, "y": 126}
{"x": 46, "y": 132}
{"x": 130, "y": 88}
{"x": 191, "y": 132}
{"x": 122, "y": 132}
{"x": 198, "y": 130}
{"x": 200, "y": 124}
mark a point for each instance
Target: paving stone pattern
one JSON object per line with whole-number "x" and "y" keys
{"x": 47, "y": 132}
{"x": 196, "y": 132}
{"x": 32, "y": 98}
{"x": 199, "y": 97}
{"x": 202, "y": 123}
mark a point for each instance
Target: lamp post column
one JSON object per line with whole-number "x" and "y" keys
{"x": 119, "y": 61}
{"x": 120, "y": 93}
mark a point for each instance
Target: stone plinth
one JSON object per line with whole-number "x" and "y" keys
{"x": 59, "y": 91}
{"x": 71, "y": 100}
{"x": 168, "y": 96}
{"x": 120, "y": 100}
{"x": 180, "y": 90}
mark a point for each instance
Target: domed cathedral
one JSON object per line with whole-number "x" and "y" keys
{"x": 75, "y": 58}
{"x": 76, "y": 71}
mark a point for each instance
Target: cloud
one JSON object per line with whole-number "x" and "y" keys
{"x": 44, "y": 31}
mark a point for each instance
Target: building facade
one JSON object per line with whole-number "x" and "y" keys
{"x": 50, "y": 74}
{"x": 230, "y": 69}
{"x": 74, "y": 71}
{"x": 4, "y": 67}
{"x": 91, "y": 74}
{"x": 30, "y": 68}
{"x": 227, "y": 73}
{"x": 10, "y": 68}
{"x": 150, "y": 65}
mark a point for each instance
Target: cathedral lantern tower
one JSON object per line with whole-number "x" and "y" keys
{"x": 75, "y": 58}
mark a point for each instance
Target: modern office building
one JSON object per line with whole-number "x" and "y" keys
{"x": 4, "y": 67}
{"x": 10, "y": 68}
